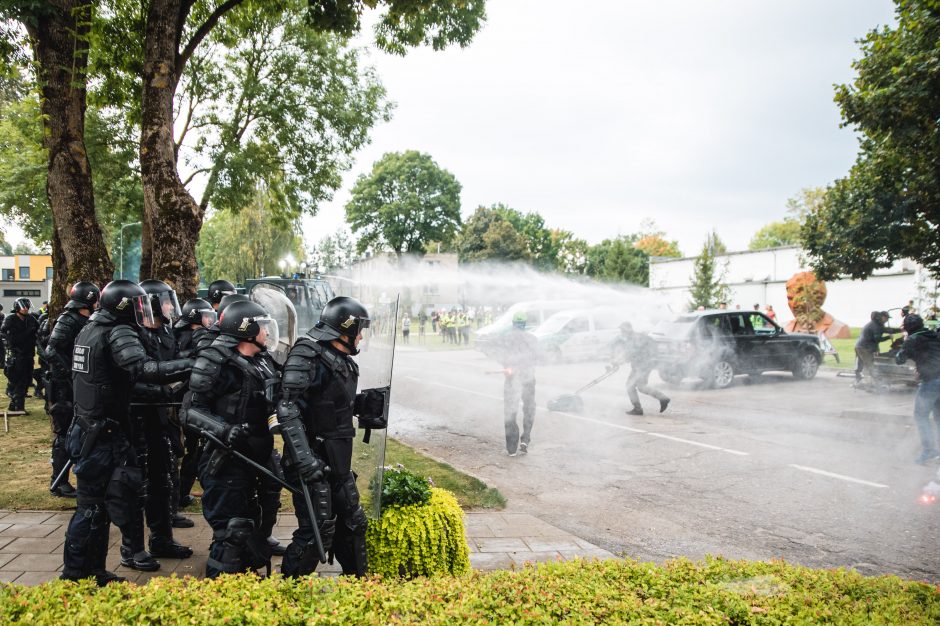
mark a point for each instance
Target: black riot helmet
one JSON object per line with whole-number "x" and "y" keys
{"x": 83, "y": 295}
{"x": 198, "y": 311}
{"x": 229, "y": 299}
{"x": 218, "y": 289}
{"x": 912, "y": 323}
{"x": 163, "y": 302}
{"x": 876, "y": 316}
{"x": 126, "y": 300}
{"x": 22, "y": 305}
{"x": 248, "y": 321}
{"x": 343, "y": 318}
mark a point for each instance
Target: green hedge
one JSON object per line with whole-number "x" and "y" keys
{"x": 713, "y": 591}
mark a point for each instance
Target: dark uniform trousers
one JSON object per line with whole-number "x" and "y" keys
{"x": 343, "y": 536}
{"x": 232, "y": 492}
{"x": 106, "y": 487}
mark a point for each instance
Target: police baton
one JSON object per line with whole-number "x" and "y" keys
{"x": 61, "y": 477}
{"x": 258, "y": 466}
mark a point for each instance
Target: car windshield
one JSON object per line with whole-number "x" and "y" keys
{"x": 553, "y": 324}
{"x": 679, "y": 328}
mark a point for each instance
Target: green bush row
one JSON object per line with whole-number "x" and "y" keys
{"x": 714, "y": 591}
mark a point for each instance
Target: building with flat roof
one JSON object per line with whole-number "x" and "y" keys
{"x": 25, "y": 276}
{"x": 760, "y": 277}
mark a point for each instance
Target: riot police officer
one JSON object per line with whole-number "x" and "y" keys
{"x": 83, "y": 300}
{"x": 198, "y": 315}
{"x": 41, "y": 373}
{"x": 205, "y": 339}
{"x": 156, "y": 440}
{"x": 107, "y": 360}
{"x": 232, "y": 393}
{"x": 19, "y": 334}
{"x": 218, "y": 289}
{"x": 318, "y": 401}
{"x": 269, "y": 494}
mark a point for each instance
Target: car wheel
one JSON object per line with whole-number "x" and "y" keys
{"x": 806, "y": 366}
{"x": 721, "y": 375}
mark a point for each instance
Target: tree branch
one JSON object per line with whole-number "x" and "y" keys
{"x": 202, "y": 31}
{"x": 201, "y": 170}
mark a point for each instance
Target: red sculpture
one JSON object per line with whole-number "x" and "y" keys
{"x": 806, "y": 295}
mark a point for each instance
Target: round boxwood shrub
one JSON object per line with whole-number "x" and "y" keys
{"x": 420, "y": 532}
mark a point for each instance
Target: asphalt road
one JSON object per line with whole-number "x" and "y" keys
{"x": 813, "y": 472}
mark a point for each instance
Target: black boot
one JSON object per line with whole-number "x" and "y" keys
{"x": 65, "y": 490}
{"x": 167, "y": 547}
{"x": 663, "y": 404}
{"x": 142, "y": 561}
{"x": 636, "y": 410}
{"x": 277, "y": 548}
{"x": 104, "y": 577}
{"x": 181, "y": 521}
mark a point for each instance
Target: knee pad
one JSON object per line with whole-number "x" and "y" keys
{"x": 238, "y": 547}
{"x": 347, "y": 497}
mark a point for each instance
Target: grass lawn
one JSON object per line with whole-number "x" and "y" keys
{"x": 25, "y": 450}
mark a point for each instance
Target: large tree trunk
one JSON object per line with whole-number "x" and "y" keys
{"x": 61, "y": 51}
{"x": 172, "y": 214}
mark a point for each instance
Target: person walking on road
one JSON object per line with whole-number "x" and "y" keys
{"x": 518, "y": 353}
{"x": 637, "y": 349}
{"x": 923, "y": 347}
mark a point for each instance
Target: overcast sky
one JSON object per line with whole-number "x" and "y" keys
{"x": 599, "y": 114}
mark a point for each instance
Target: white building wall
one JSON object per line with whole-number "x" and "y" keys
{"x": 761, "y": 276}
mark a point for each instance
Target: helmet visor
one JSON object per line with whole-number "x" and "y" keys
{"x": 267, "y": 333}
{"x": 209, "y": 317}
{"x": 143, "y": 311}
{"x": 166, "y": 306}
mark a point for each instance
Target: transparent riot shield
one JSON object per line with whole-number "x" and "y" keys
{"x": 278, "y": 306}
{"x": 376, "y": 359}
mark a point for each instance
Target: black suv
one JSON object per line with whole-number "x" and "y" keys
{"x": 717, "y": 345}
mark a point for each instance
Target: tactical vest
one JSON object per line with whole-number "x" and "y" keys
{"x": 254, "y": 400}
{"x": 328, "y": 410}
{"x": 184, "y": 338}
{"x": 60, "y": 345}
{"x": 101, "y": 384}
{"x": 159, "y": 343}
{"x": 206, "y": 340}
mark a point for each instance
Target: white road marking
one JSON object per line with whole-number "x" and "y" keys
{"x": 593, "y": 420}
{"x": 839, "y": 476}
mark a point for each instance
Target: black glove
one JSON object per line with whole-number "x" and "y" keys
{"x": 237, "y": 435}
{"x": 370, "y": 404}
{"x": 312, "y": 470}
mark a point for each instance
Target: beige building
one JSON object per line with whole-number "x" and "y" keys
{"x": 25, "y": 276}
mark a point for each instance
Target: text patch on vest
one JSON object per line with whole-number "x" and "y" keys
{"x": 80, "y": 359}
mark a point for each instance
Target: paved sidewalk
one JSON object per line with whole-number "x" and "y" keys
{"x": 31, "y": 545}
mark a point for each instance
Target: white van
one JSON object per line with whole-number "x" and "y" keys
{"x": 536, "y": 312}
{"x": 579, "y": 334}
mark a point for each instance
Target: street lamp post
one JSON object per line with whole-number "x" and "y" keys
{"x": 122, "y": 244}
